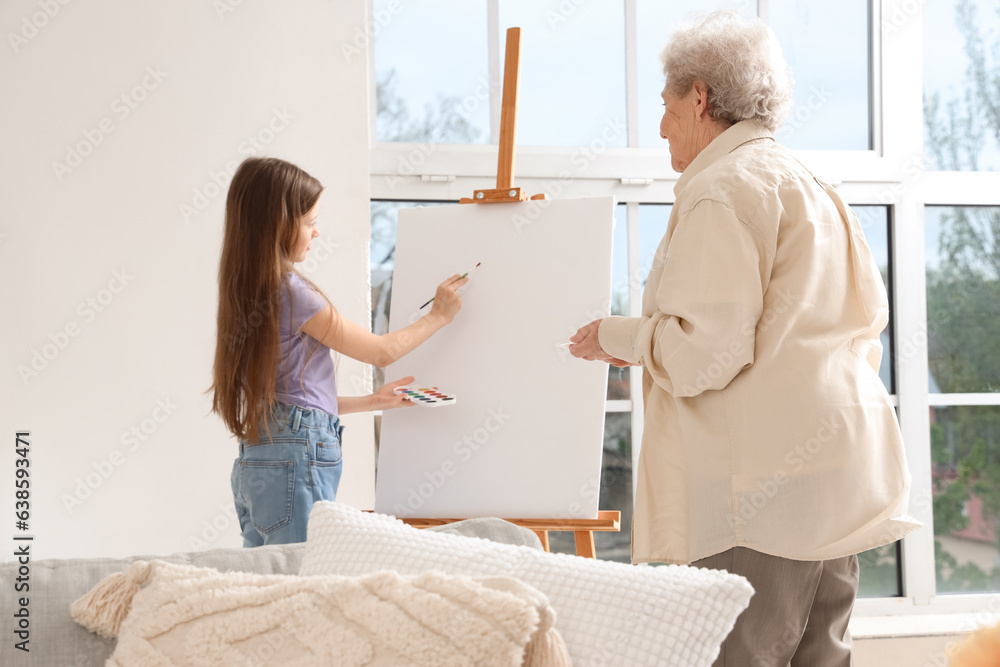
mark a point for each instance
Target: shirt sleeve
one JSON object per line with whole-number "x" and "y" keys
{"x": 305, "y": 301}
{"x": 708, "y": 301}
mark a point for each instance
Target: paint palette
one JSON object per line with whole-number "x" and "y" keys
{"x": 429, "y": 397}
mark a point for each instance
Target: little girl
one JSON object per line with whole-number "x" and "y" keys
{"x": 274, "y": 383}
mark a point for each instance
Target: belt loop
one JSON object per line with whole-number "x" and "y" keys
{"x": 296, "y": 418}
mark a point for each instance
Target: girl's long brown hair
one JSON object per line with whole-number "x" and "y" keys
{"x": 266, "y": 201}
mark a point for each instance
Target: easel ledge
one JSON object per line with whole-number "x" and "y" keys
{"x": 583, "y": 529}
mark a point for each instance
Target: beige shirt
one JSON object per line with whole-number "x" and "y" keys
{"x": 767, "y": 425}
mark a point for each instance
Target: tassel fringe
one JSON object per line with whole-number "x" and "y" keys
{"x": 546, "y": 648}
{"x": 105, "y": 606}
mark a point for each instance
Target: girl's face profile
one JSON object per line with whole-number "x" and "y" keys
{"x": 307, "y": 231}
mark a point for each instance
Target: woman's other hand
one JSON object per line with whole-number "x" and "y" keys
{"x": 587, "y": 346}
{"x": 447, "y": 301}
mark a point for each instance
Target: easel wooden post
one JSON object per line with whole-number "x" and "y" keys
{"x": 505, "y": 190}
{"x": 607, "y": 520}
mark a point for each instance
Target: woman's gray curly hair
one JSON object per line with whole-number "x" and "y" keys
{"x": 739, "y": 61}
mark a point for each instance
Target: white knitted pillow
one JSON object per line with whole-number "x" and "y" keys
{"x": 186, "y": 616}
{"x": 608, "y": 613}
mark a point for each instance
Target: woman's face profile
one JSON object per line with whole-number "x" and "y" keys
{"x": 678, "y": 128}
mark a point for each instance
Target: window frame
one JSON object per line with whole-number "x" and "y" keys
{"x": 890, "y": 174}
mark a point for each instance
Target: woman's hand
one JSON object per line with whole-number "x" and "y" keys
{"x": 587, "y": 346}
{"x": 447, "y": 301}
{"x": 385, "y": 399}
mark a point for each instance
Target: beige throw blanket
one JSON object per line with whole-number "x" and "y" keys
{"x": 197, "y": 616}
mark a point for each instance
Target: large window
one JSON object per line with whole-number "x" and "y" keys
{"x": 962, "y": 277}
{"x": 963, "y": 334}
{"x": 914, "y": 153}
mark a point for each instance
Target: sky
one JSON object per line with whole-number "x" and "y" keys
{"x": 573, "y": 73}
{"x": 573, "y": 64}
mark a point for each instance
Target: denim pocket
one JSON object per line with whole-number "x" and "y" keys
{"x": 267, "y": 489}
{"x": 328, "y": 451}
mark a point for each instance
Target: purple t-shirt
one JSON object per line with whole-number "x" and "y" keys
{"x": 318, "y": 387}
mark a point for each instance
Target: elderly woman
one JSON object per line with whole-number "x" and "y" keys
{"x": 770, "y": 447}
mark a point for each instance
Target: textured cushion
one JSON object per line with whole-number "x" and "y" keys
{"x": 608, "y": 613}
{"x": 198, "y": 616}
{"x": 56, "y": 583}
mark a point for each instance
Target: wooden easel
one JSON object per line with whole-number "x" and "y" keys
{"x": 505, "y": 190}
{"x": 607, "y": 520}
{"x": 583, "y": 529}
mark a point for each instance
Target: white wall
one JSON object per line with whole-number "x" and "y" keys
{"x": 163, "y": 100}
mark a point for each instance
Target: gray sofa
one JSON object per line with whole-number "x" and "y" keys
{"x": 57, "y": 641}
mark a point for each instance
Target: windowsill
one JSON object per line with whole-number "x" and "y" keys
{"x": 919, "y": 625}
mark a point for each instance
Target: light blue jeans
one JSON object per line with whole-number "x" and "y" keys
{"x": 276, "y": 481}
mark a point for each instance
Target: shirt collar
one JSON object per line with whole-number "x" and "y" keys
{"x": 732, "y": 138}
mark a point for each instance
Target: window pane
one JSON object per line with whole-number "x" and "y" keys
{"x": 880, "y": 572}
{"x": 618, "y": 383}
{"x": 961, "y": 121}
{"x": 616, "y": 493}
{"x": 875, "y": 225}
{"x": 385, "y": 215}
{"x": 572, "y": 90}
{"x": 656, "y": 21}
{"x": 963, "y": 298}
{"x": 424, "y": 93}
{"x": 827, "y": 46}
{"x": 965, "y": 450}
{"x": 652, "y": 226}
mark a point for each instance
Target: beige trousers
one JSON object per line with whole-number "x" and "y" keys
{"x": 798, "y": 614}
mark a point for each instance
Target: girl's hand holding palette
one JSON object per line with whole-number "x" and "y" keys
{"x": 428, "y": 397}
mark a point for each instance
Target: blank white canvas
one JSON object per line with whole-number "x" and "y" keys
{"x": 525, "y": 438}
